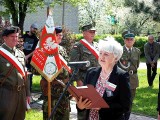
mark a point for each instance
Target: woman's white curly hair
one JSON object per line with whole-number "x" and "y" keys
{"x": 110, "y": 45}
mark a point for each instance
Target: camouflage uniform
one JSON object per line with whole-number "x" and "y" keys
{"x": 63, "y": 109}
{"x": 81, "y": 53}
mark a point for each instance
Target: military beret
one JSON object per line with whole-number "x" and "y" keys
{"x": 10, "y": 30}
{"x": 58, "y": 29}
{"x": 88, "y": 27}
{"x": 128, "y": 34}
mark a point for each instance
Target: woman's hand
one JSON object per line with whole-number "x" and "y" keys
{"x": 83, "y": 104}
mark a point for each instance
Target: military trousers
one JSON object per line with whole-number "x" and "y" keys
{"x": 62, "y": 112}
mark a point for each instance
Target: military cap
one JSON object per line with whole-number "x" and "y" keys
{"x": 58, "y": 29}
{"x": 128, "y": 34}
{"x": 88, "y": 27}
{"x": 10, "y": 30}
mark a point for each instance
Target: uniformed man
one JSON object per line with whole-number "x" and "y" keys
{"x": 63, "y": 109}
{"x": 85, "y": 50}
{"x": 130, "y": 62}
{"x": 151, "y": 51}
{"x": 14, "y": 90}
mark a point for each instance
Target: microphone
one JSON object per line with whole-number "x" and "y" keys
{"x": 79, "y": 64}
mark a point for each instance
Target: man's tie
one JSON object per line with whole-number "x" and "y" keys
{"x": 13, "y": 51}
{"x": 129, "y": 51}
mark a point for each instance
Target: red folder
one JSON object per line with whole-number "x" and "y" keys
{"x": 88, "y": 92}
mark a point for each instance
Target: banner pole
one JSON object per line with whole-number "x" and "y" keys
{"x": 49, "y": 99}
{"x": 49, "y": 12}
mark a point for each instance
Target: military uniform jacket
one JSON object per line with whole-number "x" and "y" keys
{"x": 151, "y": 55}
{"x": 130, "y": 62}
{"x": 15, "y": 78}
{"x": 12, "y": 98}
{"x": 80, "y": 53}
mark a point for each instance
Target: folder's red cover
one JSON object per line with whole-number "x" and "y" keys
{"x": 88, "y": 92}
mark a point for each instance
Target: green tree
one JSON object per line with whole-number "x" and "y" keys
{"x": 141, "y": 13}
{"x": 91, "y": 11}
{"x": 18, "y": 8}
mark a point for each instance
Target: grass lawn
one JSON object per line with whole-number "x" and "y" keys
{"x": 145, "y": 102}
{"x": 35, "y": 114}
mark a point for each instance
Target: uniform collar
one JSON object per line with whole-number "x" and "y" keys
{"x": 128, "y": 48}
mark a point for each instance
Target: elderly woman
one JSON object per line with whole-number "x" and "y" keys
{"x": 111, "y": 82}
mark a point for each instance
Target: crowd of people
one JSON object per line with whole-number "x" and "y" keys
{"x": 112, "y": 71}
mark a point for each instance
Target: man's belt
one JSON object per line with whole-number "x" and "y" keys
{"x": 11, "y": 87}
{"x": 131, "y": 72}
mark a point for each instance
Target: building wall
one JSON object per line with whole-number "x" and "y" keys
{"x": 70, "y": 17}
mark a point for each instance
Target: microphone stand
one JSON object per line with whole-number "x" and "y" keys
{"x": 69, "y": 82}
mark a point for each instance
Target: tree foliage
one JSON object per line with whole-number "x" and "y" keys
{"x": 153, "y": 9}
{"x": 18, "y": 9}
{"x": 91, "y": 11}
{"x": 143, "y": 12}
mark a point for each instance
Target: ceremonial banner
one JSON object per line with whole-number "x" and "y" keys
{"x": 46, "y": 59}
{"x": 64, "y": 64}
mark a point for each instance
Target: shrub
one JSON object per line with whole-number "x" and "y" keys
{"x": 140, "y": 41}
